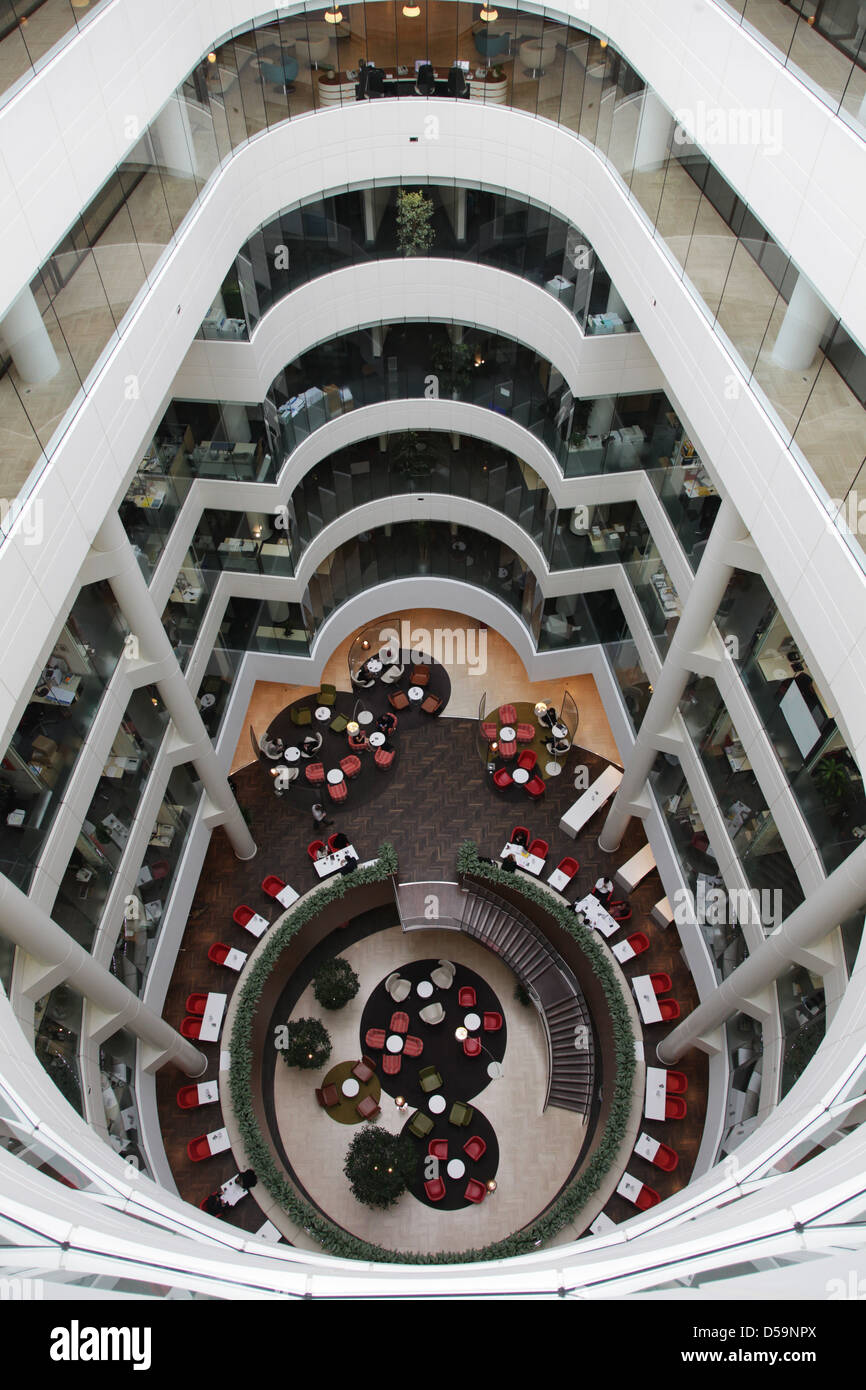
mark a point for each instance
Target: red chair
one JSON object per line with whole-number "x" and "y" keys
{"x": 438, "y": 1148}
{"x": 525, "y": 733}
{"x": 383, "y": 757}
{"x": 675, "y": 1108}
{"x": 399, "y": 1022}
{"x": 375, "y": 1038}
{"x": 197, "y": 1149}
{"x": 678, "y": 1083}
{"x": 412, "y": 1047}
{"x": 315, "y": 774}
{"x": 195, "y": 1004}
{"x": 646, "y": 1198}
{"x": 502, "y": 779}
{"x": 466, "y": 997}
{"x": 314, "y": 846}
{"x": 202, "y": 1206}
{"x": 364, "y": 1070}
{"x": 391, "y": 1063}
{"x": 338, "y": 792}
{"x": 399, "y": 700}
{"x": 670, "y": 1010}
{"x": 540, "y": 848}
{"x": 475, "y": 1191}
{"x": 420, "y": 674}
{"x": 350, "y": 766}
{"x": 527, "y": 759}
{"x": 367, "y": 1108}
{"x": 639, "y": 942}
{"x": 190, "y": 1027}
{"x": 218, "y": 952}
{"x": 243, "y": 915}
{"x": 507, "y": 715}
{"x": 431, "y": 705}
{"x": 491, "y": 1022}
{"x": 331, "y": 838}
{"x": 435, "y": 1189}
{"x": 187, "y": 1098}
{"x": 476, "y": 1147}
{"x": 507, "y": 748}
{"x": 568, "y": 866}
{"x": 661, "y": 983}
{"x": 518, "y": 830}
{"x": 272, "y": 885}
{"x": 472, "y": 1047}
{"x": 534, "y": 787}
{"x": 490, "y": 732}
{"x": 666, "y": 1159}
{"x": 328, "y": 1096}
{"x": 620, "y": 912}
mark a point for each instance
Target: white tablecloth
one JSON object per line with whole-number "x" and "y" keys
{"x": 597, "y": 916}
{"x": 646, "y": 999}
{"x": 530, "y": 862}
{"x": 232, "y": 1192}
{"x": 656, "y": 1093}
{"x": 647, "y": 1147}
{"x": 332, "y": 862}
{"x": 208, "y": 1091}
{"x": 629, "y": 1187}
{"x": 213, "y": 1017}
{"x": 624, "y": 952}
{"x": 218, "y": 1141}
{"x": 287, "y": 896}
{"x": 559, "y": 880}
{"x": 257, "y": 924}
{"x": 235, "y": 960}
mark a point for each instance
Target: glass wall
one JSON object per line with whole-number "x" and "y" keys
{"x": 117, "y": 1076}
{"x": 741, "y": 278}
{"x": 32, "y": 32}
{"x": 38, "y": 762}
{"x": 802, "y": 1007}
{"x": 57, "y": 1020}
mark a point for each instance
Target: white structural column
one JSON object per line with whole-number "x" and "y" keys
{"x": 654, "y": 133}
{"x": 172, "y": 136}
{"x": 28, "y": 340}
{"x": 806, "y": 320}
{"x": 136, "y": 605}
{"x": 601, "y": 416}
{"x": 840, "y": 895}
{"x": 699, "y": 611}
{"x": 55, "y": 958}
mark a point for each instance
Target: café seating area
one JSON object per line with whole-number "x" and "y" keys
{"x": 523, "y": 744}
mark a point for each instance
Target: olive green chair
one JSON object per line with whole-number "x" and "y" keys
{"x": 420, "y": 1125}
{"x": 460, "y": 1114}
{"x": 327, "y": 695}
{"x": 301, "y": 716}
{"x": 339, "y": 724}
{"x": 429, "y": 1079}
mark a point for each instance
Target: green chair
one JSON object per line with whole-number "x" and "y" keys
{"x": 460, "y": 1114}
{"x": 301, "y": 716}
{"x": 327, "y": 695}
{"x": 430, "y": 1080}
{"x": 420, "y": 1125}
{"x": 339, "y": 724}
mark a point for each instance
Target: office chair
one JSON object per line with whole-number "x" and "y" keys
{"x": 457, "y": 84}
{"x": 425, "y": 83}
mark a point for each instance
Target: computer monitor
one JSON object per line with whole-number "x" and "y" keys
{"x": 421, "y": 63}
{"x": 461, "y": 63}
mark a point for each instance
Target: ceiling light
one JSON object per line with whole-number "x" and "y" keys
{"x": 411, "y": 11}
{"x": 488, "y": 15}
{"x": 211, "y": 57}
{"x": 333, "y": 16}
{"x": 461, "y": 1033}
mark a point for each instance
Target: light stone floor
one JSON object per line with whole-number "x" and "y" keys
{"x": 505, "y": 679}
{"x": 537, "y": 1150}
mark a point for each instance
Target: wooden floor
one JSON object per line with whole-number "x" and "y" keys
{"x": 437, "y": 794}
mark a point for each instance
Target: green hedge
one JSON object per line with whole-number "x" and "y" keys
{"x": 331, "y": 1237}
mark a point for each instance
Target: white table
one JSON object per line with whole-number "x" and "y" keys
{"x": 559, "y": 880}
{"x": 323, "y": 713}
{"x": 507, "y": 734}
{"x": 218, "y": 1141}
{"x": 601, "y": 1224}
{"x": 365, "y": 716}
{"x": 436, "y": 1104}
{"x": 424, "y": 988}
{"x": 520, "y": 775}
{"x": 332, "y": 862}
{"x": 647, "y": 1147}
{"x": 455, "y": 1168}
{"x": 532, "y": 863}
{"x": 377, "y": 739}
{"x": 335, "y": 776}
{"x": 214, "y": 1009}
{"x": 586, "y": 806}
{"x": 292, "y": 754}
{"x": 374, "y": 666}
{"x": 257, "y": 924}
{"x": 287, "y": 896}
{"x": 394, "y": 1043}
{"x": 494, "y": 1070}
{"x": 559, "y": 731}
{"x": 235, "y": 960}
{"x": 472, "y": 1022}
{"x": 655, "y": 1103}
{"x": 208, "y": 1092}
{"x": 629, "y": 1187}
{"x": 630, "y": 874}
{"x": 232, "y": 1192}
{"x": 623, "y": 952}
{"x": 415, "y": 692}
{"x": 646, "y": 999}
{"x": 597, "y": 916}
{"x": 350, "y": 1087}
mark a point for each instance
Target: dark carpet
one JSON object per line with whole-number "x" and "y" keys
{"x": 456, "y": 1136}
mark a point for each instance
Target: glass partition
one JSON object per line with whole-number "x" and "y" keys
{"x": 120, "y": 1107}
{"x": 57, "y": 1021}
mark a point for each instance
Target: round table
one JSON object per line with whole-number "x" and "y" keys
{"x": 455, "y": 1168}
{"x": 376, "y": 740}
{"x": 552, "y": 769}
{"x": 207, "y": 701}
{"x": 559, "y": 731}
{"x": 520, "y": 775}
{"x": 424, "y": 988}
{"x": 436, "y": 1104}
{"x": 394, "y": 1043}
{"x": 323, "y": 713}
{"x": 292, "y": 755}
{"x": 415, "y": 692}
{"x": 374, "y": 666}
{"x": 506, "y": 735}
{"x": 494, "y": 1070}
{"x": 365, "y": 716}
{"x": 335, "y": 776}
{"x": 350, "y": 1086}
{"x": 472, "y": 1022}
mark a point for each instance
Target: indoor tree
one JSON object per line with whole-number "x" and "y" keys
{"x": 306, "y": 1043}
{"x": 415, "y": 235}
{"x": 335, "y": 983}
{"x": 379, "y": 1166}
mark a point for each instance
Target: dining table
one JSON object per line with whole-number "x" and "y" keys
{"x": 218, "y": 1141}
{"x": 623, "y": 950}
{"x": 215, "y": 1007}
{"x": 231, "y": 1192}
{"x": 208, "y": 1092}
{"x": 287, "y": 896}
{"x": 257, "y": 924}
{"x": 647, "y": 1147}
{"x": 629, "y": 1187}
{"x": 235, "y": 960}
{"x": 596, "y": 916}
{"x": 655, "y": 1100}
{"x": 532, "y": 863}
{"x": 647, "y": 1000}
{"x": 333, "y": 862}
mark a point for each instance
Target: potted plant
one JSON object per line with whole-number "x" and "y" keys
{"x": 308, "y": 1044}
{"x": 413, "y": 455}
{"x": 832, "y": 779}
{"x": 335, "y": 983}
{"x": 453, "y": 364}
{"x": 379, "y": 1166}
{"x": 415, "y": 235}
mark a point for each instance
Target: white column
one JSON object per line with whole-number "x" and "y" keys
{"x": 28, "y": 340}
{"x": 699, "y": 611}
{"x": 173, "y": 139}
{"x": 236, "y": 422}
{"x": 377, "y": 334}
{"x": 55, "y": 952}
{"x": 654, "y": 133}
{"x": 136, "y": 605}
{"x": 806, "y": 320}
{"x": 601, "y": 416}
{"x": 616, "y": 304}
{"x": 837, "y": 898}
